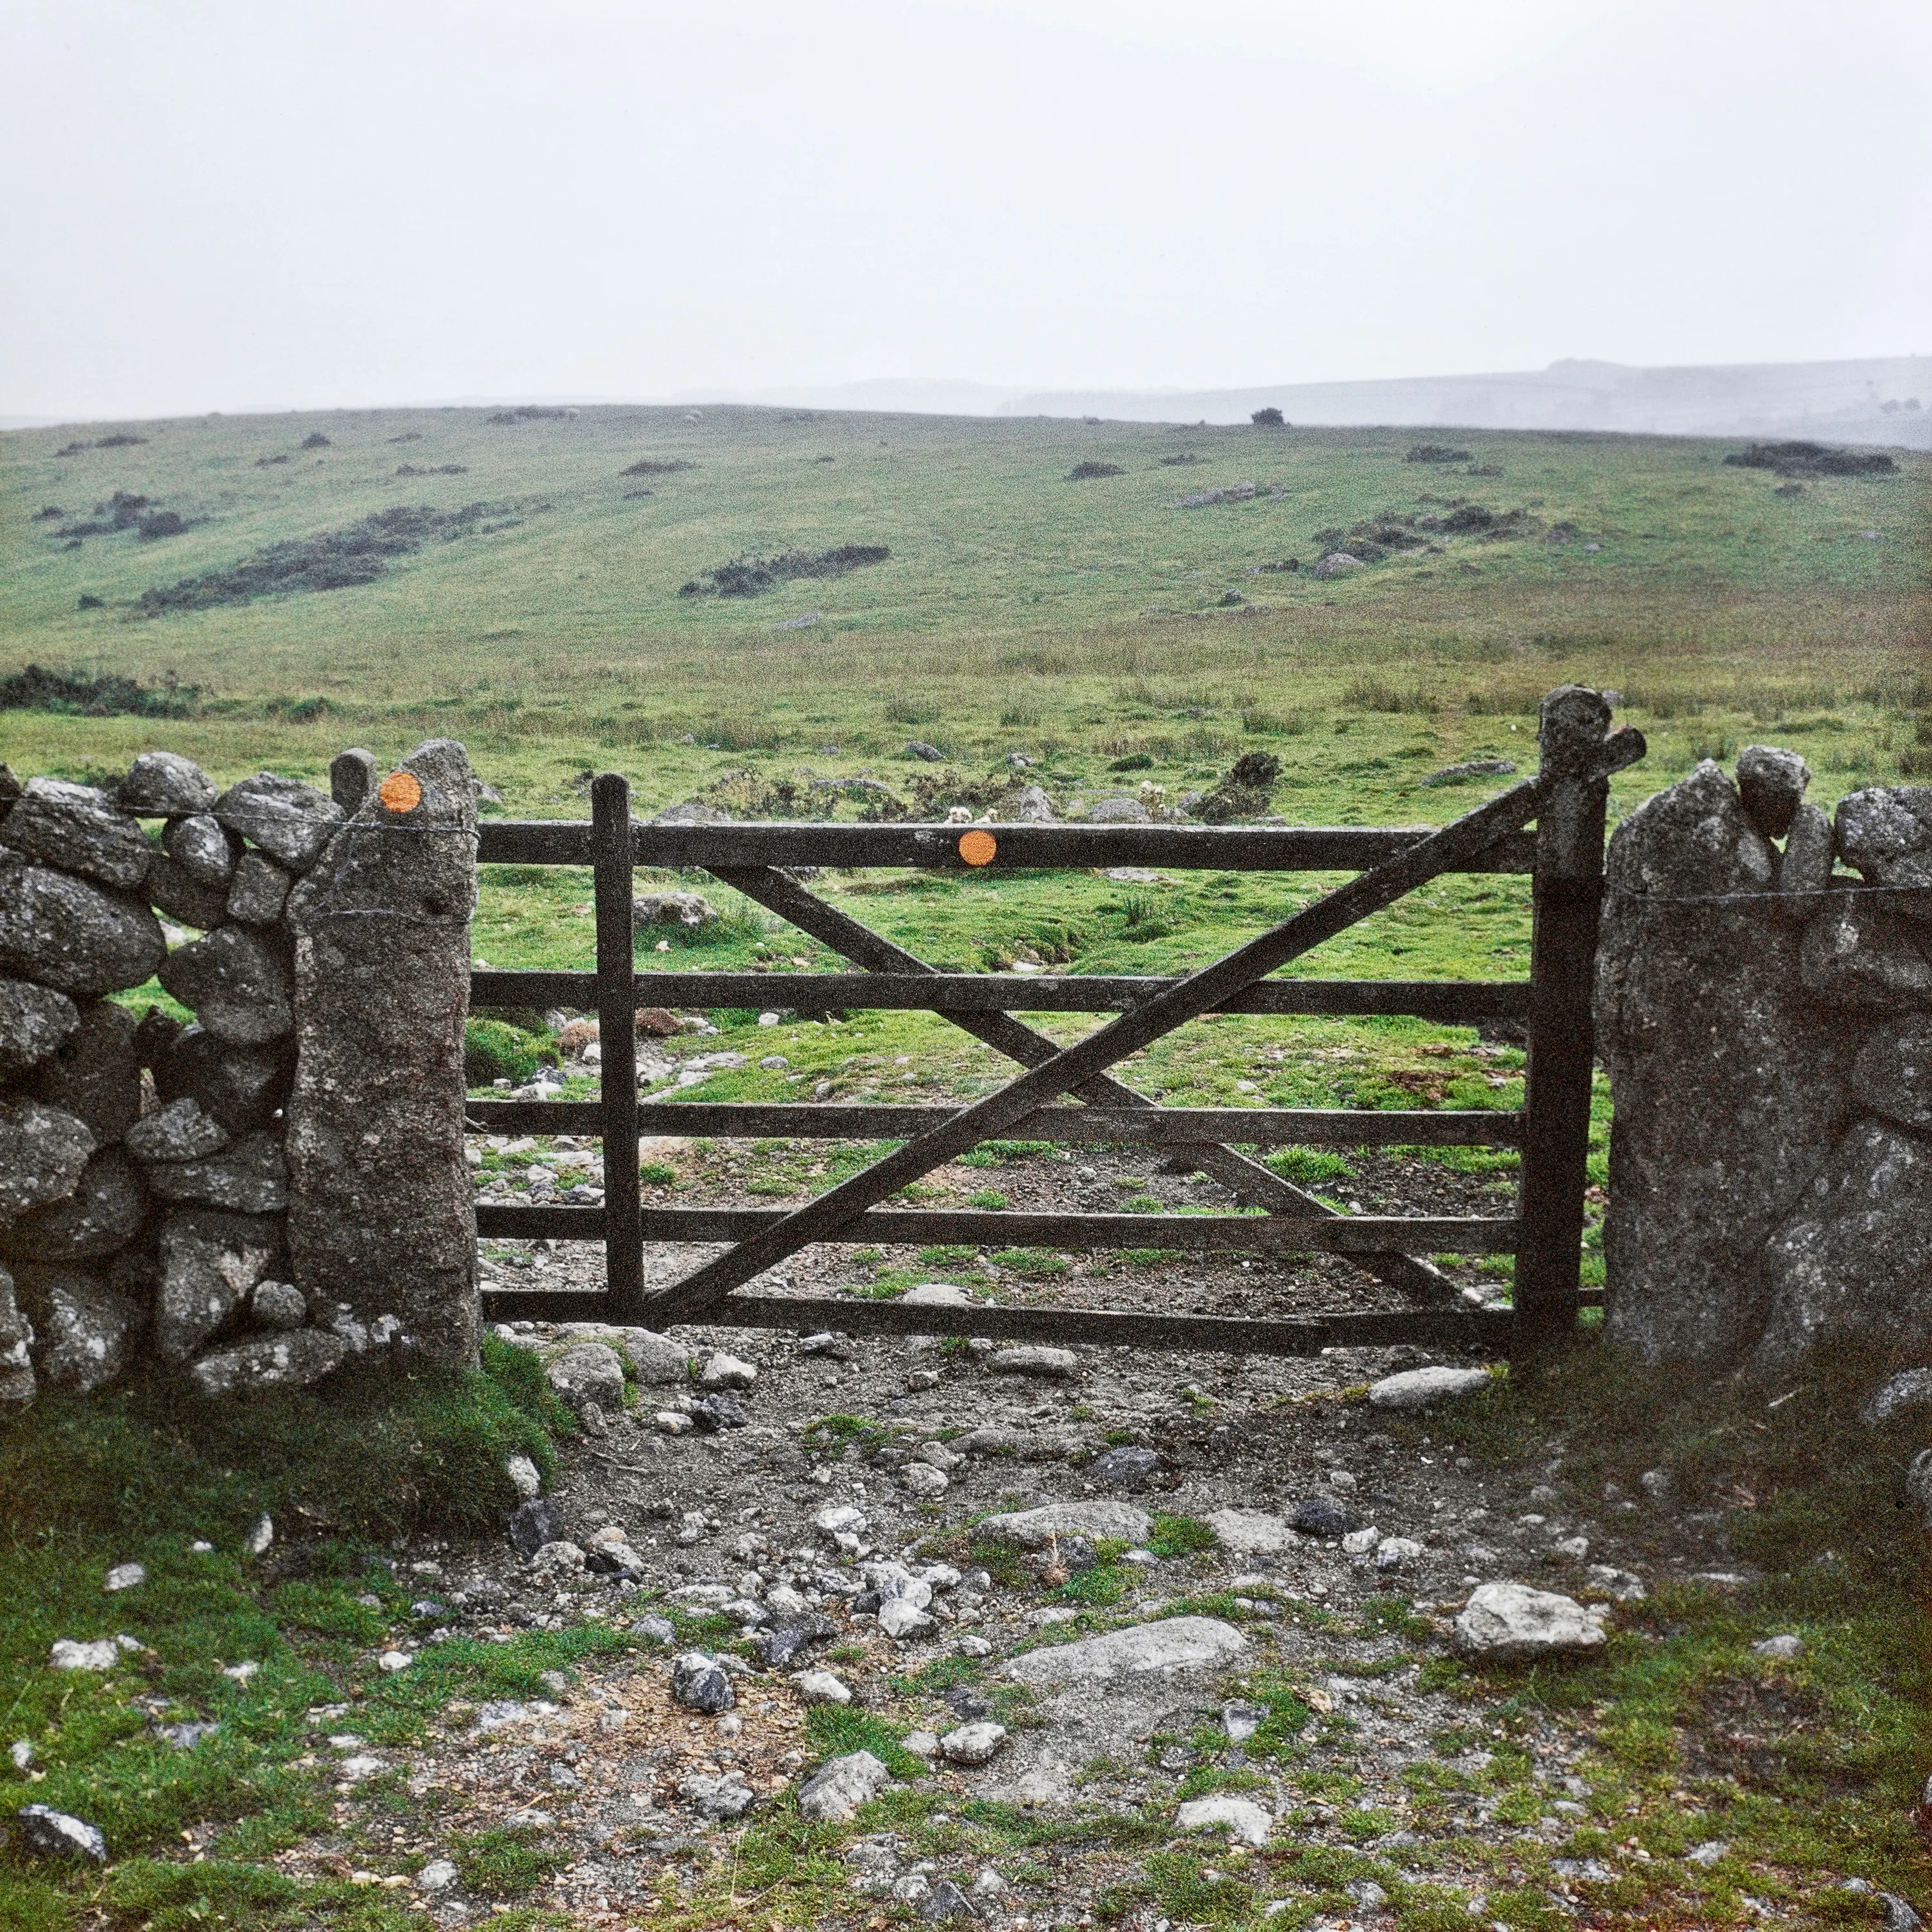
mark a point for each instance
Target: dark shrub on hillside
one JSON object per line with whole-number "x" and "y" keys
{"x": 1081, "y": 472}
{"x": 1178, "y": 462}
{"x": 1436, "y": 452}
{"x": 749, "y": 576}
{"x": 37, "y": 688}
{"x": 120, "y": 442}
{"x": 1812, "y": 459}
{"x": 529, "y": 412}
{"x": 329, "y": 560}
{"x": 315, "y": 439}
{"x": 645, "y": 467}
{"x": 160, "y": 523}
{"x": 1244, "y": 792}
{"x": 1270, "y": 418}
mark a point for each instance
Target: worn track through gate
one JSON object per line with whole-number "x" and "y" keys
{"x": 1566, "y": 800}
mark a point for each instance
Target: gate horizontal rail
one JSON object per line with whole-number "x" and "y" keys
{"x": 1070, "y": 1094}
{"x": 1199, "y": 1234}
{"x": 1085, "y": 1126}
{"x": 1229, "y": 848}
{"x": 1454, "y": 1002}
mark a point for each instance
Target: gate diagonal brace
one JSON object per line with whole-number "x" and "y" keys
{"x": 1077, "y": 1065}
{"x": 1253, "y": 1182}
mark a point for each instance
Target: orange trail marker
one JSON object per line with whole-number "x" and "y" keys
{"x": 978, "y": 848}
{"x": 400, "y": 791}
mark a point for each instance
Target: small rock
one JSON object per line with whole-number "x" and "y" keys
{"x": 716, "y": 1412}
{"x": 654, "y": 1629}
{"x": 1240, "y": 1722}
{"x": 659, "y": 1361}
{"x": 685, "y": 909}
{"x": 945, "y": 1901}
{"x": 1125, "y": 1468}
{"x": 391, "y": 1661}
{"x": 777, "y": 1646}
{"x": 534, "y": 1523}
{"x": 899, "y": 1618}
{"x": 1247, "y": 1531}
{"x": 1506, "y": 1622}
{"x": 523, "y": 1476}
{"x": 589, "y": 1372}
{"x": 1397, "y": 1553}
{"x": 972, "y": 1743}
{"x": 438, "y": 1875}
{"x": 988, "y": 1883}
{"x": 1708, "y": 1853}
{"x": 1418, "y": 1388}
{"x": 917, "y": 748}
{"x": 1059, "y": 1363}
{"x": 921, "y": 1743}
{"x": 726, "y": 1371}
{"x": 68, "y": 1654}
{"x": 837, "y": 1519}
{"x": 556, "y": 1563}
{"x": 125, "y": 1576}
{"x": 1098, "y": 1516}
{"x": 278, "y": 1305}
{"x": 1240, "y": 1817}
{"x": 1787, "y": 1644}
{"x": 1320, "y": 1517}
{"x": 34, "y": 1021}
{"x": 837, "y": 1789}
{"x": 923, "y": 1481}
{"x": 1361, "y": 1542}
{"x": 1912, "y": 1390}
{"x": 820, "y": 1687}
{"x": 1172, "y": 1643}
{"x": 670, "y": 1422}
{"x": 699, "y": 1683}
{"x": 185, "y": 1737}
{"x": 49, "y": 1833}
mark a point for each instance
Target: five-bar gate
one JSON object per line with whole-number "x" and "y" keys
{"x": 1566, "y": 802}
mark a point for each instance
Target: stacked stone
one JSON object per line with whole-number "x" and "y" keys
{"x": 1767, "y": 1025}
{"x": 143, "y": 1182}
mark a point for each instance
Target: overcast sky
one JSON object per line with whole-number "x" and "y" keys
{"x": 227, "y": 204}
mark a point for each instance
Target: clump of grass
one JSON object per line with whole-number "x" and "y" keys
{"x": 506, "y": 1862}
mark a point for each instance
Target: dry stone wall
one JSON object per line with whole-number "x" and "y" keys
{"x": 1765, "y": 1012}
{"x": 145, "y": 1164}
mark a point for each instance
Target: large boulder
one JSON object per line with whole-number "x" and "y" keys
{"x": 171, "y": 889}
{"x": 1887, "y": 834}
{"x": 102, "y": 1215}
{"x": 182, "y": 1130}
{"x": 85, "y": 1332}
{"x": 79, "y": 830}
{"x": 69, "y": 934}
{"x": 95, "y": 1073}
{"x": 1729, "y": 1084}
{"x": 210, "y": 1265}
{"x": 34, "y": 1020}
{"x": 1171, "y": 1644}
{"x": 237, "y": 983}
{"x": 203, "y": 848}
{"x": 290, "y": 821}
{"x": 164, "y": 784}
{"x": 589, "y": 1372}
{"x": 251, "y": 1177}
{"x": 259, "y": 891}
{"x": 1851, "y": 1266}
{"x": 382, "y": 1216}
{"x": 43, "y": 1150}
{"x": 297, "y": 1359}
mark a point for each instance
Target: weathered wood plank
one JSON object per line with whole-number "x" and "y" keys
{"x": 1453, "y": 1002}
{"x": 617, "y": 941}
{"x": 923, "y": 1227}
{"x": 1265, "y": 848}
{"x": 1094, "y": 1126}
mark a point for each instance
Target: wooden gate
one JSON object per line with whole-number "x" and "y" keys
{"x": 1566, "y": 802}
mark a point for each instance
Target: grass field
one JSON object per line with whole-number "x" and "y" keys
{"x": 1019, "y": 610}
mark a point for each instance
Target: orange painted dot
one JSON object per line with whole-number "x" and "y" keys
{"x": 400, "y": 791}
{"x": 978, "y": 848}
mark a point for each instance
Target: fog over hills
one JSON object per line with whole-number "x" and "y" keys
{"x": 1880, "y": 399}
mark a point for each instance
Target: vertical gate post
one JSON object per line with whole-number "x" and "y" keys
{"x": 1567, "y": 899}
{"x": 617, "y": 1042}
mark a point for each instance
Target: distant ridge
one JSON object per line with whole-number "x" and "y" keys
{"x": 1841, "y": 401}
